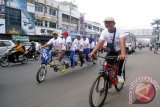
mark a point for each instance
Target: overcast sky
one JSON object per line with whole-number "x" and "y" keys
{"x": 127, "y": 13}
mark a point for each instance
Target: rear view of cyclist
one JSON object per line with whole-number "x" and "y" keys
{"x": 115, "y": 39}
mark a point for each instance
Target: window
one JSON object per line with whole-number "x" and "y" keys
{"x": 46, "y": 23}
{"x": 13, "y": 17}
{"x": 7, "y": 43}
{"x": 39, "y": 7}
{"x": 39, "y": 22}
{"x": 45, "y": 9}
{"x": 31, "y": 1}
{"x": 65, "y": 18}
{"x": 52, "y": 25}
{"x": 52, "y": 11}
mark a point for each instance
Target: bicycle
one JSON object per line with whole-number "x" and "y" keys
{"x": 46, "y": 55}
{"x": 108, "y": 77}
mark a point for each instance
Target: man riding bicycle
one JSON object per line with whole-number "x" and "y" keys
{"x": 79, "y": 42}
{"x": 67, "y": 42}
{"x": 56, "y": 43}
{"x": 115, "y": 39}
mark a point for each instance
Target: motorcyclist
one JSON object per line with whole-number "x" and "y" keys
{"x": 32, "y": 48}
{"x": 19, "y": 50}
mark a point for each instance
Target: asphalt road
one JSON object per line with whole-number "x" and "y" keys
{"x": 19, "y": 88}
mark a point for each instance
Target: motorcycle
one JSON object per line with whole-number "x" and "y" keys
{"x": 34, "y": 55}
{"x": 5, "y": 61}
{"x": 150, "y": 48}
{"x": 140, "y": 47}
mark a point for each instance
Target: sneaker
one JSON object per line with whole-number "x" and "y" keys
{"x": 52, "y": 65}
{"x": 120, "y": 79}
{"x": 63, "y": 69}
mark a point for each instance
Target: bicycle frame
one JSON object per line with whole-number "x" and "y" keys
{"x": 110, "y": 71}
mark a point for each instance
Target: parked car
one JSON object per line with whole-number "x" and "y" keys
{"x": 5, "y": 46}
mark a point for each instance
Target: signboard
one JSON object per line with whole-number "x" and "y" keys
{"x": 46, "y": 31}
{"x": 21, "y": 38}
{"x": 28, "y": 23}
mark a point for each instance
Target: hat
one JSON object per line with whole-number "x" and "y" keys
{"x": 65, "y": 33}
{"x": 78, "y": 35}
{"x": 109, "y": 19}
{"x": 55, "y": 33}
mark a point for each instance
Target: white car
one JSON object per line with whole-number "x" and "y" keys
{"x": 5, "y": 46}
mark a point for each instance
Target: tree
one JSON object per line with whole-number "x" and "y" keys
{"x": 156, "y": 27}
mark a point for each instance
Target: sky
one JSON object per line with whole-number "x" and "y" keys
{"x": 128, "y": 14}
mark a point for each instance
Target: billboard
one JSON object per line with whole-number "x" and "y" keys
{"x": 28, "y": 23}
{"x": 18, "y": 4}
{"x": 2, "y": 26}
{"x": 2, "y": 17}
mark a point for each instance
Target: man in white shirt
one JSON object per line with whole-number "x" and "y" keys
{"x": 86, "y": 47}
{"x": 67, "y": 41}
{"x": 56, "y": 43}
{"x": 78, "y": 42}
{"x": 116, "y": 40}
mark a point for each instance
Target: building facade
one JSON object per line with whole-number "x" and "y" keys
{"x": 93, "y": 28}
{"x": 38, "y": 19}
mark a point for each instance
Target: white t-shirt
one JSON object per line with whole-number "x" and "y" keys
{"x": 55, "y": 43}
{"x": 86, "y": 43}
{"x": 76, "y": 44}
{"x": 66, "y": 41}
{"x": 109, "y": 37}
{"x": 93, "y": 44}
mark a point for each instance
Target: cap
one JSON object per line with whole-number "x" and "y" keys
{"x": 78, "y": 35}
{"x": 109, "y": 19}
{"x": 55, "y": 33}
{"x": 65, "y": 33}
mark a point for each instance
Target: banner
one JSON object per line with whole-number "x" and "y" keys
{"x": 28, "y": 23}
{"x": 18, "y": 4}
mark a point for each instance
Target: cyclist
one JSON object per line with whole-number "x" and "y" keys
{"x": 56, "y": 43}
{"x": 86, "y": 47}
{"x": 78, "y": 42}
{"x": 67, "y": 42}
{"x": 115, "y": 38}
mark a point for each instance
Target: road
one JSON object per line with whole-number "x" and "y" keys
{"x": 19, "y": 88}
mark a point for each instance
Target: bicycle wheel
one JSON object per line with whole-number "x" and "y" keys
{"x": 119, "y": 86}
{"x": 41, "y": 74}
{"x": 100, "y": 87}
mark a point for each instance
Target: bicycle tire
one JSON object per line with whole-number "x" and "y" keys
{"x": 118, "y": 89}
{"x": 105, "y": 90}
{"x": 39, "y": 74}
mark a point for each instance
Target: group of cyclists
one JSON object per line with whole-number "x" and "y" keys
{"x": 64, "y": 45}
{"x": 115, "y": 38}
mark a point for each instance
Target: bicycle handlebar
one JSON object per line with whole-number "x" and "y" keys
{"x": 109, "y": 57}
